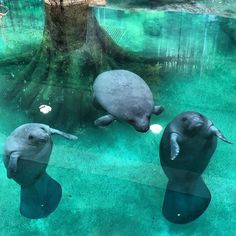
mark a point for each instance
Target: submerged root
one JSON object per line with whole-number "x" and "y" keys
{"x": 22, "y": 59}
{"x": 59, "y": 80}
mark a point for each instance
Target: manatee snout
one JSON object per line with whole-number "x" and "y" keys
{"x": 142, "y": 125}
{"x": 193, "y": 122}
{"x": 38, "y": 136}
{"x": 142, "y": 129}
{"x": 195, "y": 125}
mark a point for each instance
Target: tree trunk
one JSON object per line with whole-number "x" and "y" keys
{"x": 74, "y": 50}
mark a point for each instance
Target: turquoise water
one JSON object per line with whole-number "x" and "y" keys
{"x": 111, "y": 177}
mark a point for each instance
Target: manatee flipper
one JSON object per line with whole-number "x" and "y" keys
{"x": 65, "y": 135}
{"x": 104, "y": 120}
{"x": 157, "y": 110}
{"x": 41, "y": 198}
{"x": 174, "y": 146}
{"x": 184, "y": 203}
{"x": 218, "y": 134}
{"x": 12, "y": 166}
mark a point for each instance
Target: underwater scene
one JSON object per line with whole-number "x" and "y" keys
{"x": 117, "y": 117}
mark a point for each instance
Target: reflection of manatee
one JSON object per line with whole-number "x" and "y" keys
{"x": 186, "y": 148}
{"x": 26, "y": 155}
{"x": 125, "y": 96}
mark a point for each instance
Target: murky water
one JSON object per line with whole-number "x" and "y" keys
{"x": 111, "y": 177}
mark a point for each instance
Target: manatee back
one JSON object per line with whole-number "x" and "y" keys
{"x": 121, "y": 91}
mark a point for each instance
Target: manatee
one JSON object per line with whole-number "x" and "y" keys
{"x": 186, "y": 148}
{"x": 126, "y": 97}
{"x": 26, "y": 154}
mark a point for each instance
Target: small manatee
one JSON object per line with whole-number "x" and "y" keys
{"x": 26, "y": 155}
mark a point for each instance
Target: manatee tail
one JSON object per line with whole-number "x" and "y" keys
{"x": 184, "y": 203}
{"x": 41, "y": 198}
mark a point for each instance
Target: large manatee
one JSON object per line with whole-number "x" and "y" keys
{"x": 125, "y": 96}
{"x": 186, "y": 148}
{"x": 26, "y": 154}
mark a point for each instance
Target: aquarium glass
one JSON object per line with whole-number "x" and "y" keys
{"x": 111, "y": 177}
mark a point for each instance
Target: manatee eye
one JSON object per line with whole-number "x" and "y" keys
{"x": 31, "y": 137}
{"x": 201, "y": 116}
{"x": 184, "y": 119}
{"x": 43, "y": 128}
